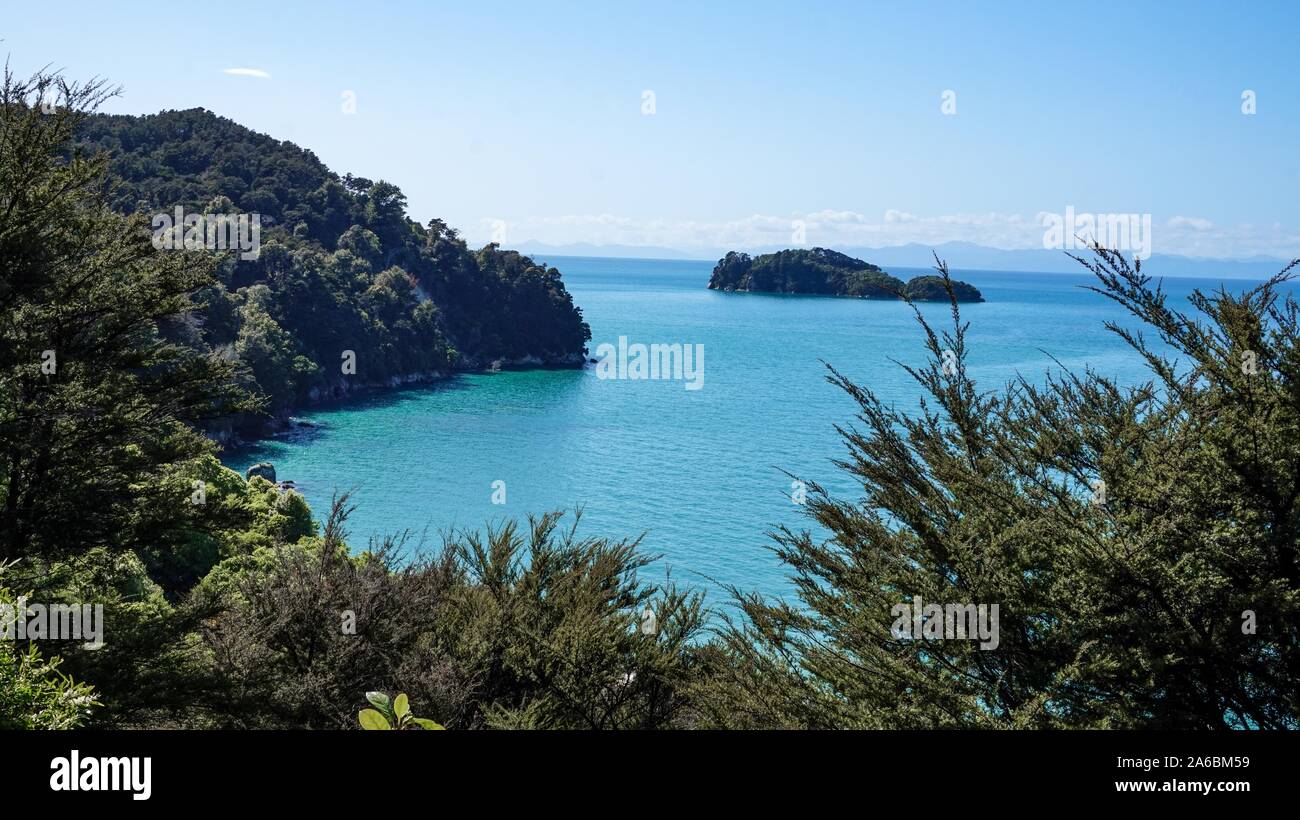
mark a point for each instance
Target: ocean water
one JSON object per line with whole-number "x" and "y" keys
{"x": 696, "y": 473}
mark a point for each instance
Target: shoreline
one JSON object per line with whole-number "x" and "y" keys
{"x": 237, "y": 436}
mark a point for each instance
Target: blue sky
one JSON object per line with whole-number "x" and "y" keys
{"x": 764, "y": 113}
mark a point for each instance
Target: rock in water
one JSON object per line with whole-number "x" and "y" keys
{"x": 263, "y": 468}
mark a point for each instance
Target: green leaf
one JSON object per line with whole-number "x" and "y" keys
{"x": 370, "y": 719}
{"x": 425, "y": 723}
{"x": 381, "y": 702}
{"x": 401, "y": 706}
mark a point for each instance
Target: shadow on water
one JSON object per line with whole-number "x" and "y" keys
{"x": 311, "y": 425}
{"x": 389, "y": 396}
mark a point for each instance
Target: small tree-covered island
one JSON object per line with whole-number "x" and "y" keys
{"x": 824, "y": 272}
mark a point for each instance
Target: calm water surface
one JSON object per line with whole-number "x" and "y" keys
{"x": 697, "y": 472}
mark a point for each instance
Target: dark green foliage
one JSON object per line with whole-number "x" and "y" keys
{"x": 341, "y": 268}
{"x": 814, "y": 270}
{"x": 181, "y": 540}
{"x": 509, "y": 630}
{"x": 932, "y": 289}
{"x": 95, "y": 432}
{"x": 557, "y": 626}
{"x": 34, "y": 692}
{"x": 99, "y": 385}
{"x": 92, "y": 432}
{"x": 153, "y": 668}
{"x": 304, "y": 629}
{"x": 149, "y": 672}
{"x": 1128, "y": 610}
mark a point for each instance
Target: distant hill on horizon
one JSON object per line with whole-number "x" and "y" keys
{"x": 959, "y": 255}
{"x": 611, "y": 251}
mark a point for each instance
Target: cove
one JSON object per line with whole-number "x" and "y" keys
{"x": 698, "y": 473}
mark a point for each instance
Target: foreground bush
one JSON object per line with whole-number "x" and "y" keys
{"x": 34, "y": 694}
{"x": 539, "y": 629}
{"x": 1140, "y": 543}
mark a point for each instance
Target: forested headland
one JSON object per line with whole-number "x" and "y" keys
{"x": 341, "y": 267}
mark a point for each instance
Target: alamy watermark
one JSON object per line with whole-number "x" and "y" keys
{"x": 1078, "y": 231}
{"x": 680, "y": 362}
{"x": 53, "y": 622}
{"x": 213, "y": 232}
{"x": 75, "y": 773}
{"x": 939, "y": 622}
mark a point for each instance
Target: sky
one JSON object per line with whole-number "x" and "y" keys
{"x": 705, "y": 125}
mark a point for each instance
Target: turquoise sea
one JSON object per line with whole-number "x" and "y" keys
{"x": 698, "y": 472}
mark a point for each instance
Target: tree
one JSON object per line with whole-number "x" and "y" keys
{"x": 541, "y": 629}
{"x": 326, "y": 241}
{"x": 94, "y": 397}
{"x": 1139, "y": 542}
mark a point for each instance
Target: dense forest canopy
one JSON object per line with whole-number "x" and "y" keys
{"x": 341, "y": 266}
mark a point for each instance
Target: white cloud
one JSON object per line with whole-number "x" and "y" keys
{"x": 1194, "y": 222}
{"x": 1188, "y": 236}
{"x": 247, "y": 72}
{"x": 827, "y": 227}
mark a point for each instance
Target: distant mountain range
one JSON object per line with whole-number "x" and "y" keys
{"x": 542, "y": 249}
{"x": 959, "y": 255}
